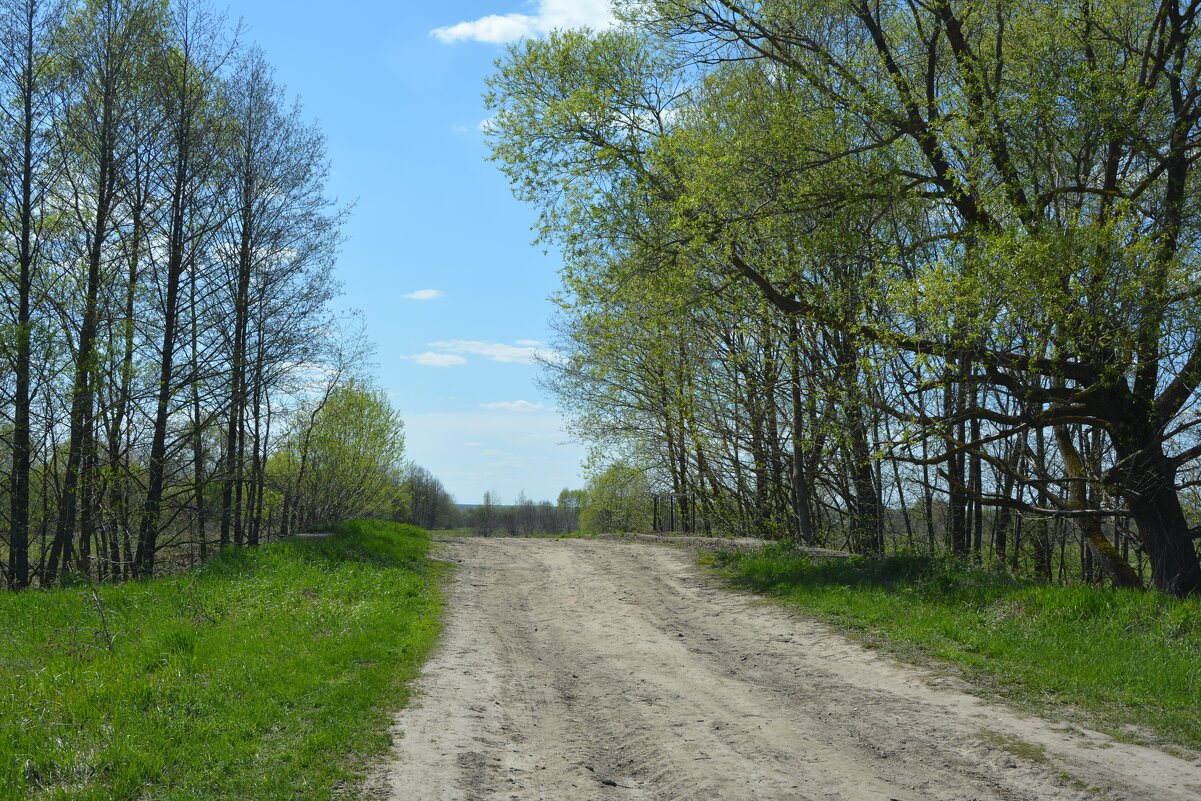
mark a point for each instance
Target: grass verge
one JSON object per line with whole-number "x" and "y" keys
{"x": 1130, "y": 661}
{"x": 268, "y": 673}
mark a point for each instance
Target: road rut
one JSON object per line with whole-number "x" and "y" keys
{"x": 577, "y": 670}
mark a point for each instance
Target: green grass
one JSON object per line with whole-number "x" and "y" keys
{"x": 268, "y": 673}
{"x": 1123, "y": 658}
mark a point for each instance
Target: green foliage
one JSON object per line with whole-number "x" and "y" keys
{"x": 1007, "y": 219}
{"x": 426, "y": 503}
{"x": 572, "y": 500}
{"x": 345, "y": 457}
{"x": 619, "y": 500}
{"x": 266, "y": 674}
{"x": 1124, "y": 657}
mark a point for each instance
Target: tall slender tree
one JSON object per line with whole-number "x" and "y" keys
{"x": 29, "y": 171}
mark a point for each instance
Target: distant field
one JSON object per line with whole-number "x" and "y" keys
{"x": 1131, "y": 661}
{"x": 269, "y": 673}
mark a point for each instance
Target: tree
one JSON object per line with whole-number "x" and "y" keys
{"x": 108, "y": 47}
{"x": 133, "y": 152}
{"x": 618, "y": 501}
{"x": 1037, "y": 189}
{"x": 30, "y": 171}
{"x": 191, "y": 182}
{"x": 484, "y": 517}
{"x": 430, "y": 505}
{"x": 279, "y": 246}
{"x": 1001, "y": 214}
{"x": 351, "y": 452}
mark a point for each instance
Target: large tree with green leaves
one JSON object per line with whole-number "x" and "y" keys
{"x": 995, "y": 199}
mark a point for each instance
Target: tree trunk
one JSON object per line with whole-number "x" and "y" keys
{"x": 22, "y": 446}
{"x": 800, "y": 486}
{"x": 1110, "y": 560}
{"x": 1150, "y": 492}
{"x": 81, "y": 385}
{"x": 956, "y": 497}
{"x": 156, "y": 469}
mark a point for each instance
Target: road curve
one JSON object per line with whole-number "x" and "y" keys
{"x": 577, "y": 670}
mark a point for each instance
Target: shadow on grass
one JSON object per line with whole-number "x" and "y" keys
{"x": 780, "y": 570}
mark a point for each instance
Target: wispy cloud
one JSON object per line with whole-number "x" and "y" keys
{"x": 425, "y": 294}
{"x": 515, "y": 406}
{"x": 526, "y": 351}
{"x": 551, "y": 15}
{"x": 431, "y": 359}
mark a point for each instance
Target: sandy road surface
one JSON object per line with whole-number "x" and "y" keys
{"x": 575, "y": 670}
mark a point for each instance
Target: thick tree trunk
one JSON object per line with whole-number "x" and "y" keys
{"x": 1148, "y": 486}
{"x": 976, "y": 482}
{"x": 867, "y": 523}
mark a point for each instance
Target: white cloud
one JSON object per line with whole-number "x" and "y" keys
{"x": 527, "y": 351}
{"x": 552, "y": 14}
{"x": 492, "y": 29}
{"x": 425, "y": 294}
{"x": 431, "y": 359}
{"x": 515, "y": 406}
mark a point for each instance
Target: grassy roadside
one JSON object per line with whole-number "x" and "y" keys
{"x": 1131, "y": 662}
{"x": 268, "y": 673}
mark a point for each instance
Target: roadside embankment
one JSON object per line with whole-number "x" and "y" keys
{"x": 268, "y": 673}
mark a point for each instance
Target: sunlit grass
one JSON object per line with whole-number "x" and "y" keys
{"x": 269, "y": 673}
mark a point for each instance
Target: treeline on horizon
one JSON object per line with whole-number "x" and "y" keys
{"x": 882, "y": 275}
{"x": 427, "y": 503}
{"x": 173, "y": 376}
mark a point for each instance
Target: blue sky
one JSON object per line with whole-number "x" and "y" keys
{"x": 396, "y": 87}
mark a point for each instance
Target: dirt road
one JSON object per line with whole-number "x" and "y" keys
{"x": 576, "y": 670}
